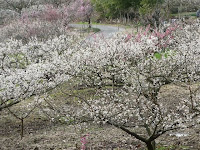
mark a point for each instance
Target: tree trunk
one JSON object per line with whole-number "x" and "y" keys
{"x": 121, "y": 17}
{"x": 22, "y": 128}
{"x": 154, "y": 144}
{"x": 150, "y": 146}
{"x": 89, "y": 23}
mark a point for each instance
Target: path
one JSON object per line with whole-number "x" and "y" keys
{"x": 106, "y": 30}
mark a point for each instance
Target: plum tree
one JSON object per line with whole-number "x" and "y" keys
{"x": 136, "y": 68}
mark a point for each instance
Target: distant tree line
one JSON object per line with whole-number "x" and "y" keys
{"x": 150, "y": 11}
{"x": 116, "y": 8}
{"x": 147, "y": 11}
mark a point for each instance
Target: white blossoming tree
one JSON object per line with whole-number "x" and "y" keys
{"x": 136, "y": 68}
{"x": 34, "y": 68}
{"x": 30, "y": 71}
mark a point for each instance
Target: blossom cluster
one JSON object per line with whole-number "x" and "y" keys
{"x": 33, "y": 68}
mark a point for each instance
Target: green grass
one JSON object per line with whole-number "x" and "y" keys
{"x": 184, "y": 14}
{"x": 115, "y": 25}
{"x": 92, "y": 23}
{"x": 161, "y": 147}
{"x": 91, "y": 30}
{"x": 165, "y": 54}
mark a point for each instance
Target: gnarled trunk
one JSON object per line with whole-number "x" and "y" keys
{"x": 150, "y": 145}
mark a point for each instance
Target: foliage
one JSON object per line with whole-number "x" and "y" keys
{"x": 115, "y": 8}
{"x": 177, "y": 6}
{"x": 148, "y": 5}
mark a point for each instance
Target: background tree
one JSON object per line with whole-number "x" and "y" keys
{"x": 128, "y": 8}
{"x": 150, "y": 12}
{"x": 18, "y": 5}
{"x": 115, "y": 8}
{"x": 176, "y": 6}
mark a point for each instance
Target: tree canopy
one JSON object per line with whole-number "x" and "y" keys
{"x": 113, "y": 8}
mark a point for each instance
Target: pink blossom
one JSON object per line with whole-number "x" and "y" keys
{"x": 84, "y": 141}
{"x": 129, "y": 36}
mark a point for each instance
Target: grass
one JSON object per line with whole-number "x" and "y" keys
{"x": 93, "y": 23}
{"x": 115, "y": 25}
{"x": 189, "y": 14}
{"x": 95, "y": 30}
{"x": 172, "y": 147}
